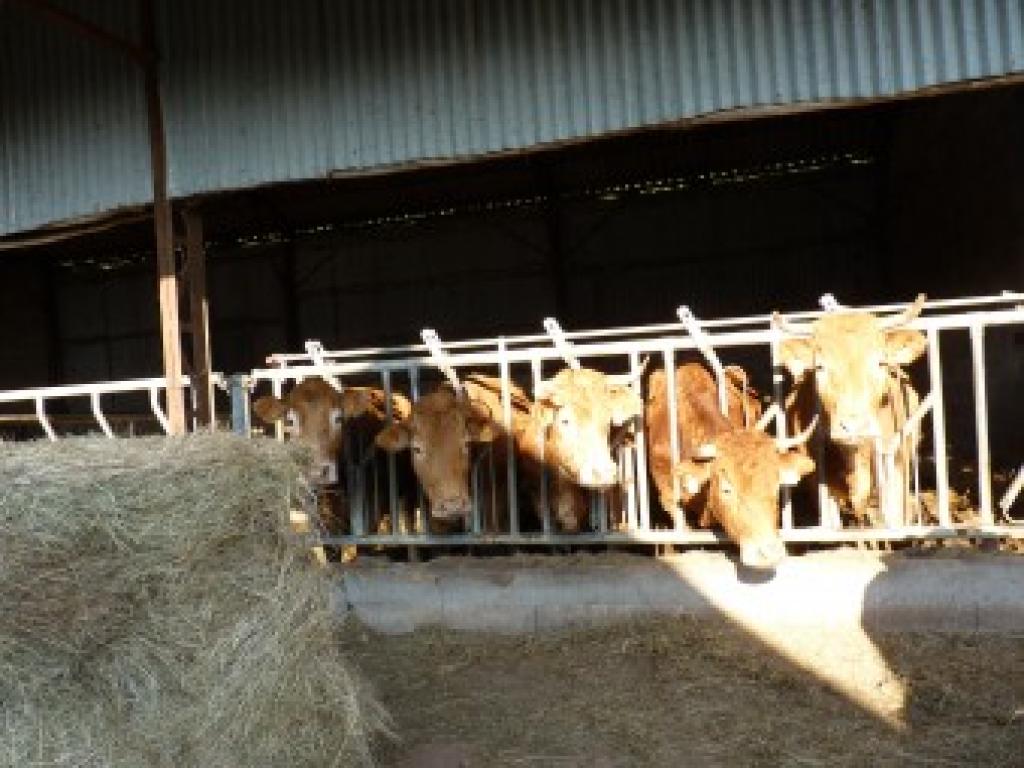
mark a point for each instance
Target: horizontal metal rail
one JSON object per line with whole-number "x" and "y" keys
{"x": 94, "y": 392}
{"x": 610, "y": 348}
{"x": 806, "y": 535}
{"x": 657, "y": 329}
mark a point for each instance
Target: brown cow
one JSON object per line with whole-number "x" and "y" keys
{"x": 319, "y": 414}
{"x": 566, "y": 430}
{"x": 729, "y": 472}
{"x": 439, "y": 431}
{"x": 847, "y": 365}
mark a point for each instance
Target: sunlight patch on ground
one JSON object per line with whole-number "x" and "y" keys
{"x": 811, "y": 629}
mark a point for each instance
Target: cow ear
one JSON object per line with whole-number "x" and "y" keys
{"x": 393, "y": 438}
{"x": 270, "y": 409}
{"x": 693, "y": 475}
{"x": 549, "y": 393}
{"x": 481, "y": 430}
{"x": 797, "y": 355}
{"x": 625, "y": 404}
{"x": 793, "y": 466}
{"x": 354, "y": 402}
{"x": 904, "y": 347}
{"x": 401, "y": 407}
{"x": 543, "y": 413}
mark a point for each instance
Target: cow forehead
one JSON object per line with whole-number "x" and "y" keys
{"x": 436, "y": 415}
{"x": 844, "y": 331}
{"x": 582, "y": 389}
{"x": 749, "y": 455}
{"x": 311, "y": 392}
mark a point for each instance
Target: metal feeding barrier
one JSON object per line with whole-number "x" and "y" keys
{"x": 626, "y": 517}
{"x": 38, "y": 400}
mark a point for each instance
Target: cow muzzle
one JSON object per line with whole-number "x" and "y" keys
{"x": 763, "y": 554}
{"x": 854, "y": 429}
{"x": 452, "y": 507}
{"x": 598, "y": 474}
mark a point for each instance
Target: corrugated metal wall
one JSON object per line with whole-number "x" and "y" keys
{"x": 73, "y": 135}
{"x": 261, "y": 91}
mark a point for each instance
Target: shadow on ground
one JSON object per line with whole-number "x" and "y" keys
{"x": 705, "y": 690}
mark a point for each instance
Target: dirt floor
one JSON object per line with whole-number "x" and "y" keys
{"x": 670, "y": 692}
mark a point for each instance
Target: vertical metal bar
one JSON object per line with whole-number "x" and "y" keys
{"x": 44, "y": 422}
{"x": 351, "y": 454}
{"x": 980, "y": 378}
{"x": 883, "y": 480}
{"x": 506, "y": 407}
{"x": 474, "y": 491}
{"x": 239, "y": 391}
{"x": 422, "y": 525}
{"x": 916, "y": 459}
{"x": 360, "y": 506}
{"x": 781, "y": 426}
{"x": 276, "y": 387}
{"x": 828, "y": 511}
{"x": 938, "y": 428}
{"x": 643, "y": 490}
{"x": 630, "y": 453}
{"x": 545, "y": 507}
{"x": 673, "y": 430}
{"x": 374, "y": 519}
{"x": 627, "y": 509}
{"x": 385, "y": 377}
{"x": 97, "y": 412}
{"x": 476, "y": 521}
{"x": 493, "y": 476}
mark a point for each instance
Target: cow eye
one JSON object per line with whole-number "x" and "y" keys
{"x": 417, "y": 449}
{"x": 726, "y": 487}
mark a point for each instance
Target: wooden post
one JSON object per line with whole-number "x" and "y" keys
{"x": 199, "y": 310}
{"x": 170, "y": 330}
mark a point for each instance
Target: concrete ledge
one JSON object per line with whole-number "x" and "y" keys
{"x": 966, "y": 593}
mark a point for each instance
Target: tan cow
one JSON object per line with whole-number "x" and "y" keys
{"x": 847, "y": 365}
{"x": 729, "y": 471}
{"x": 570, "y": 431}
{"x": 566, "y": 431}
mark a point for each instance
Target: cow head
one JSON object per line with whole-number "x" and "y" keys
{"x": 577, "y": 409}
{"x": 438, "y": 432}
{"x": 740, "y": 472}
{"x": 851, "y": 355}
{"x": 317, "y": 412}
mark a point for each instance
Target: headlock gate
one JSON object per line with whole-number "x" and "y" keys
{"x": 632, "y": 515}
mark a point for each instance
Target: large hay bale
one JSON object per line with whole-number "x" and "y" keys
{"x": 157, "y": 612}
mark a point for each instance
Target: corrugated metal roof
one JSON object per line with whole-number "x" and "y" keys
{"x": 260, "y": 91}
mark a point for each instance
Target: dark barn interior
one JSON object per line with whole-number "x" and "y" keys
{"x": 732, "y": 217}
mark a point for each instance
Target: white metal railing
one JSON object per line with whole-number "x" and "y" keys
{"x": 624, "y": 347}
{"x": 94, "y": 392}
